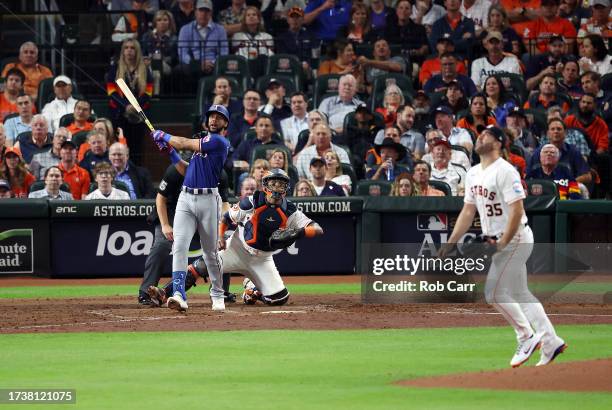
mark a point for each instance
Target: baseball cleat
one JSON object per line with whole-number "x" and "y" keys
{"x": 177, "y": 302}
{"x": 546, "y": 359}
{"x": 218, "y": 304}
{"x": 157, "y": 295}
{"x": 525, "y": 349}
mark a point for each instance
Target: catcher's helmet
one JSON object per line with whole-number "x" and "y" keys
{"x": 278, "y": 190}
{"x": 219, "y": 109}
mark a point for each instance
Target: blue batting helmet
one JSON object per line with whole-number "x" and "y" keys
{"x": 219, "y": 109}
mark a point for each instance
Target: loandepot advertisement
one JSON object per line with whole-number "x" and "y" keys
{"x": 17, "y": 251}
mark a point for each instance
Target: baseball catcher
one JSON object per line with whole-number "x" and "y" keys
{"x": 263, "y": 223}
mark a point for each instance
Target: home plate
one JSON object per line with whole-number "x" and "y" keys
{"x": 282, "y": 311}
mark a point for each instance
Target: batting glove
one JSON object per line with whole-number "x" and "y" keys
{"x": 159, "y": 135}
{"x": 162, "y": 146}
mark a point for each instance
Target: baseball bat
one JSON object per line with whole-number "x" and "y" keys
{"x": 128, "y": 94}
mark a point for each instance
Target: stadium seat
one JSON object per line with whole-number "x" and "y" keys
{"x": 536, "y": 116}
{"x": 13, "y": 115}
{"x": 366, "y": 50}
{"x": 286, "y": 80}
{"x": 462, "y": 149}
{"x": 515, "y": 84}
{"x": 38, "y": 185}
{"x": 264, "y": 151}
{"x": 235, "y": 66}
{"x": 441, "y": 186}
{"x": 606, "y": 82}
{"x": 538, "y": 187}
{"x": 80, "y": 137}
{"x": 325, "y": 85}
{"x": 347, "y": 169}
{"x": 374, "y": 188}
{"x": 286, "y": 65}
{"x": 68, "y": 119}
{"x": 382, "y": 81}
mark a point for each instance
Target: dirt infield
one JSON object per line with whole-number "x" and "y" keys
{"x": 587, "y": 376}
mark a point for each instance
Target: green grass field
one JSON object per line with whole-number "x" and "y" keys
{"x": 283, "y": 369}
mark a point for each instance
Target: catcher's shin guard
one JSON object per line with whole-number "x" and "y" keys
{"x": 278, "y": 299}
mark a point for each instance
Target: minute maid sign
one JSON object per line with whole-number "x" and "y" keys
{"x": 17, "y": 251}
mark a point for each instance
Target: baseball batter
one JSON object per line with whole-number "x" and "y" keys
{"x": 248, "y": 250}
{"x": 199, "y": 204}
{"x": 494, "y": 189}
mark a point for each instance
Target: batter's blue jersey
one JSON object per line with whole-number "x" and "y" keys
{"x": 205, "y": 167}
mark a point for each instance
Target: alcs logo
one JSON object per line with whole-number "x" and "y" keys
{"x": 120, "y": 242}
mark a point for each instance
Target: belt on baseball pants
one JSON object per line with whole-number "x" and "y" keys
{"x": 200, "y": 191}
{"x": 498, "y": 237}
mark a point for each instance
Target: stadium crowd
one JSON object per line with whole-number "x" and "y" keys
{"x": 349, "y": 97}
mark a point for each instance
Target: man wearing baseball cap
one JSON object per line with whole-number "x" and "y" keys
{"x": 200, "y": 43}
{"x": 275, "y": 105}
{"x": 76, "y": 177}
{"x": 5, "y": 189}
{"x": 318, "y": 168}
{"x": 432, "y": 65}
{"x": 600, "y": 22}
{"x": 546, "y": 63}
{"x": 297, "y": 40}
{"x": 547, "y": 25}
{"x": 444, "y": 120}
{"x": 444, "y": 170}
{"x": 496, "y": 61}
{"x": 63, "y": 103}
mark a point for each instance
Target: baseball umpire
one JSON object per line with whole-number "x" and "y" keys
{"x": 493, "y": 189}
{"x": 199, "y": 204}
{"x": 263, "y": 223}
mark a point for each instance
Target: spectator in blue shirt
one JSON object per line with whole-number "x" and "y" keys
{"x": 448, "y": 74}
{"x": 200, "y": 43}
{"x": 264, "y": 133}
{"x": 326, "y": 17}
{"x": 460, "y": 28}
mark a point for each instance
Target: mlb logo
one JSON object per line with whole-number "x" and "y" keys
{"x": 232, "y": 65}
{"x": 432, "y": 222}
{"x": 537, "y": 189}
{"x": 332, "y": 85}
{"x": 284, "y": 64}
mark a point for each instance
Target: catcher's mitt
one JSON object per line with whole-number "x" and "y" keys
{"x": 282, "y": 238}
{"x": 478, "y": 247}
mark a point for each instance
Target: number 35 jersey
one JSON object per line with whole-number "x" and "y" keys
{"x": 492, "y": 190}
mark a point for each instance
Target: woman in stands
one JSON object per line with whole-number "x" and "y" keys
{"x": 498, "y": 21}
{"x": 279, "y": 159}
{"x": 498, "y": 99}
{"x": 334, "y": 172}
{"x": 595, "y": 55}
{"x": 343, "y": 63}
{"x": 159, "y": 47}
{"x": 359, "y": 30}
{"x": 393, "y": 99}
{"x": 132, "y": 69}
{"x": 479, "y": 117}
{"x": 403, "y": 186}
{"x": 15, "y": 171}
{"x": 304, "y": 188}
{"x": 252, "y": 42}
{"x": 258, "y": 170}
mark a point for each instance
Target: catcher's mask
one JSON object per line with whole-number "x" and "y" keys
{"x": 275, "y": 184}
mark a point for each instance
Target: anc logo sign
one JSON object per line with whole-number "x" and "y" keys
{"x": 17, "y": 251}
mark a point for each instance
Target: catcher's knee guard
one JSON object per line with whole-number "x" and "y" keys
{"x": 278, "y": 299}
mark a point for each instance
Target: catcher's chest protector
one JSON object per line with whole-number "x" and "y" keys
{"x": 265, "y": 220}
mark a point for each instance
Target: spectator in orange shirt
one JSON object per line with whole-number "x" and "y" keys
{"x": 520, "y": 11}
{"x": 479, "y": 117}
{"x": 82, "y": 112}
{"x": 547, "y": 25}
{"x": 547, "y": 97}
{"x": 76, "y": 177}
{"x": 28, "y": 64}
{"x": 433, "y": 67}
{"x": 593, "y": 125}
{"x": 421, "y": 177}
{"x": 13, "y": 86}
{"x": 15, "y": 171}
